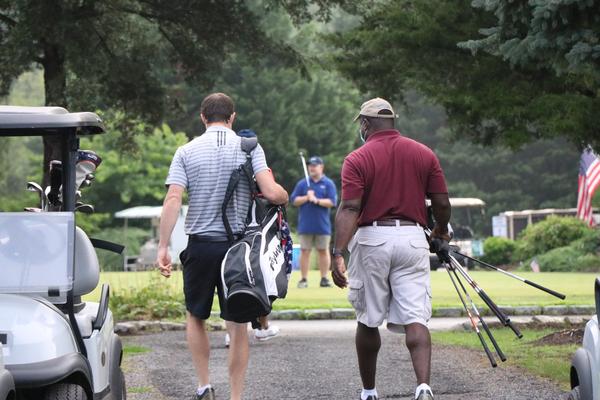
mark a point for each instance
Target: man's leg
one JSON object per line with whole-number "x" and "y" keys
{"x": 368, "y": 343}
{"x": 324, "y": 262}
{"x": 418, "y": 342}
{"x": 238, "y": 357}
{"x": 197, "y": 339}
{"x": 304, "y": 262}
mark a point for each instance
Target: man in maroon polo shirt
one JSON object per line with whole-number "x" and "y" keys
{"x": 380, "y": 220}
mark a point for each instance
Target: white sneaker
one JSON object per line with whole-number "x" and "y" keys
{"x": 227, "y": 340}
{"x": 266, "y": 334}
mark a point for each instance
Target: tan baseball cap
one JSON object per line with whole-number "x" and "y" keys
{"x": 372, "y": 108}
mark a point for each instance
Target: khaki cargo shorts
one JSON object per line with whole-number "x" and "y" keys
{"x": 388, "y": 276}
{"x": 319, "y": 242}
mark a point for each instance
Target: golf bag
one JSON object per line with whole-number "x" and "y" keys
{"x": 255, "y": 270}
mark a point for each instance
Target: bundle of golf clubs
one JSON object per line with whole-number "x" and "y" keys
{"x": 51, "y": 196}
{"x": 455, "y": 271}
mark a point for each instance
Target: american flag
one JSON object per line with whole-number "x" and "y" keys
{"x": 589, "y": 180}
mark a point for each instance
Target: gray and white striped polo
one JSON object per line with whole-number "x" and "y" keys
{"x": 203, "y": 166}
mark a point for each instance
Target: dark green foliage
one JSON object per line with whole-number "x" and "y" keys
{"x": 498, "y": 250}
{"x": 132, "y": 239}
{"x": 551, "y": 233}
{"x": 561, "y": 34}
{"x": 412, "y": 45}
{"x": 153, "y": 302}
{"x": 568, "y": 259}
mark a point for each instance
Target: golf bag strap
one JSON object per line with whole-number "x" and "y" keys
{"x": 248, "y": 145}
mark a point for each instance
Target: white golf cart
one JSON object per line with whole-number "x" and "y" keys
{"x": 55, "y": 345}
{"x": 7, "y": 385}
{"x": 585, "y": 365}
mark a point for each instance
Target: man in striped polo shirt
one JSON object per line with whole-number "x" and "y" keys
{"x": 203, "y": 167}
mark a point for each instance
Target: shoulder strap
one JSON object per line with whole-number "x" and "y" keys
{"x": 248, "y": 145}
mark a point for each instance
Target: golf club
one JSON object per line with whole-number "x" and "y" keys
{"x": 55, "y": 184}
{"x": 481, "y": 320}
{"x": 305, "y": 169}
{"x": 535, "y": 285}
{"x": 473, "y": 323}
{"x": 34, "y": 187}
{"x": 486, "y": 299}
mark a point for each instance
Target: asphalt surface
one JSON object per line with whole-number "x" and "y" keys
{"x": 316, "y": 360}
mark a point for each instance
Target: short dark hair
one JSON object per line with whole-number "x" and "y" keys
{"x": 217, "y": 107}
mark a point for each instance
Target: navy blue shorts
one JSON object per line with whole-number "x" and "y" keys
{"x": 201, "y": 275}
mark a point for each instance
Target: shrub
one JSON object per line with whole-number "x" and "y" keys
{"x": 551, "y": 233}
{"x": 153, "y": 302}
{"x": 568, "y": 259}
{"x": 498, "y": 250}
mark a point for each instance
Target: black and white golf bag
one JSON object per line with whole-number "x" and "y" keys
{"x": 256, "y": 268}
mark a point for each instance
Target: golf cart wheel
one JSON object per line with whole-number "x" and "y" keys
{"x": 124, "y": 387}
{"x": 65, "y": 391}
{"x": 574, "y": 394}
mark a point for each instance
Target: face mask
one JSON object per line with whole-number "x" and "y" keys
{"x": 362, "y": 133}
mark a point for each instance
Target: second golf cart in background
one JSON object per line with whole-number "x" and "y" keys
{"x": 55, "y": 345}
{"x": 467, "y": 225}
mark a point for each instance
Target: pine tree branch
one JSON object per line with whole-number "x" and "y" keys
{"x": 8, "y": 20}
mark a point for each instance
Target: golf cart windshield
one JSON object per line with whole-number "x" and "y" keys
{"x": 36, "y": 253}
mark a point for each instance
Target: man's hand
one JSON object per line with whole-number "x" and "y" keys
{"x": 441, "y": 248}
{"x": 338, "y": 272}
{"x": 163, "y": 260}
{"x": 311, "y": 196}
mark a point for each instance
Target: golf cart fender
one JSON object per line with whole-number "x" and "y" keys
{"x": 116, "y": 356}
{"x": 7, "y": 385}
{"x": 47, "y": 336}
{"x": 71, "y": 367}
{"x": 581, "y": 373}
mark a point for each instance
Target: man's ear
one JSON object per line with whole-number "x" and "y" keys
{"x": 203, "y": 119}
{"x": 232, "y": 118}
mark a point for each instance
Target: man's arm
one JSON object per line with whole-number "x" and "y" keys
{"x": 168, "y": 219}
{"x": 440, "y": 205}
{"x": 327, "y": 203}
{"x": 270, "y": 189}
{"x": 345, "y": 224}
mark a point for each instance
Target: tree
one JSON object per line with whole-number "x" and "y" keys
{"x": 100, "y": 54}
{"x": 563, "y": 35}
{"x": 408, "y": 45}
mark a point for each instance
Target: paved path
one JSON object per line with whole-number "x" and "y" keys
{"x": 316, "y": 360}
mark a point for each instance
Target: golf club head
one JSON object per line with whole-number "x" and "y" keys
{"x": 32, "y": 209}
{"x": 85, "y": 208}
{"x": 35, "y": 187}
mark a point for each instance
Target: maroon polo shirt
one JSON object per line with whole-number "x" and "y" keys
{"x": 392, "y": 175}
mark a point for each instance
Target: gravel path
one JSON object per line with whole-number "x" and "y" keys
{"x": 318, "y": 362}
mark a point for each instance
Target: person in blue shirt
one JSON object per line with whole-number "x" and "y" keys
{"x": 315, "y": 200}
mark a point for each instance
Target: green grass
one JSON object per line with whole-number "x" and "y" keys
{"x": 139, "y": 389}
{"x": 550, "y": 361}
{"x": 578, "y": 287}
{"x": 133, "y": 349}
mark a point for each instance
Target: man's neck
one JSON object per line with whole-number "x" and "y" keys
{"x": 218, "y": 125}
{"x": 316, "y": 178}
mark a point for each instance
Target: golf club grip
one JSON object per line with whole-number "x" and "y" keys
{"x": 514, "y": 328}
{"x": 492, "y": 306}
{"x": 549, "y": 291}
{"x": 487, "y": 350}
{"x": 492, "y": 339}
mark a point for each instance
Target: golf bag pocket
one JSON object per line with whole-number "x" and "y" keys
{"x": 356, "y": 294}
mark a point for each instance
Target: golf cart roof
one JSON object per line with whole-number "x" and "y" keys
{"x": 43, "y": 121}
{"x": 463, "y": 202}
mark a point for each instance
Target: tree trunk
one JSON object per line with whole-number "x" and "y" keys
{"x": 55, "y": 84}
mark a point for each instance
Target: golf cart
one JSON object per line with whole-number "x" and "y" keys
{"x": 464, "y": 220}
{"x": 54, "y": 345}
{"x": 585, "y": 364}
{"x": 7, "y": 385}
